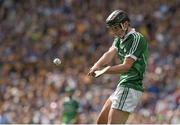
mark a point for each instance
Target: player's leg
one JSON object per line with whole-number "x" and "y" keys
{"x": 103, "y": 116}
{"x": 123, "y": 103}
{"x": 117, "y": 116}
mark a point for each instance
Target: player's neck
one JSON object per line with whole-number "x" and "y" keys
{"x": 126, "y": 32}
{"x": 129, "y": 29}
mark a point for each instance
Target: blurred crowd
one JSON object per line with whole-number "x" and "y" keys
{"x": 34, "y": 32}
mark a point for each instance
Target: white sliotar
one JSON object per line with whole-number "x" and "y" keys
{"x": 57, "y": 61}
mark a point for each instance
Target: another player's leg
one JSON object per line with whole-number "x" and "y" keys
{"x": 117, "y": 116}
{"x": 103, "y": 116}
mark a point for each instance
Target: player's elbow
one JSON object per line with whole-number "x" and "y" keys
{"x": 127, "y": 67}
{"x": 128, "y": 63}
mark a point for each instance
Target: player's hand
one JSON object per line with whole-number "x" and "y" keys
{"x": 92, "y": 70}
{"x": 101, "y": 72}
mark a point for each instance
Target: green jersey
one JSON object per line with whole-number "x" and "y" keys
{"x": 70, "y": 111}
{"x": 135, "y": 46}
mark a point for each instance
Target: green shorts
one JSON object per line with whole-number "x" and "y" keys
{"x": 125, "y": 99}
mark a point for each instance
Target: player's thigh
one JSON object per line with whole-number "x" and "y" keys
{"x": 117, "y": 116}
{"x": 125, "y": 99}
{"x": 103, "y": 116}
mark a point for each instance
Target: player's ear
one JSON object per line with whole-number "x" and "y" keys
{"x": 126, "y": 24}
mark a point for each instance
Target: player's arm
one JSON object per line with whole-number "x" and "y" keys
{"x": 131, "y": 56}
{"x": 121, "y": 68}
{"x": 105, "y": 59}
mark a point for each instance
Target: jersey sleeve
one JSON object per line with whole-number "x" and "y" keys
{"x": 115, "y": 43}
{"x": 136, "y": 47}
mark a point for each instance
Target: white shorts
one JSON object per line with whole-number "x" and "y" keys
{"x": 125, "y": 99}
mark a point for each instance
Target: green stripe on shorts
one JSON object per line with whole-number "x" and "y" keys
{"x": 122, "y": 97}
{"x": 125, "y": 97}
